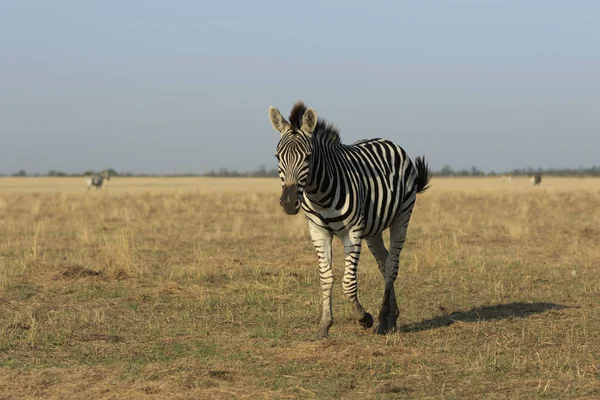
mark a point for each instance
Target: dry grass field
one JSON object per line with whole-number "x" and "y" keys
{"x": 204, "y": 288}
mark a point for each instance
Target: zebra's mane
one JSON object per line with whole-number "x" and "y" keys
{"x": 325, "y": 132}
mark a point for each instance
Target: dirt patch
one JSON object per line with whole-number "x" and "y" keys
{"x": 221, "y": 374}
{"x": 76, "y": 271}
{"x": 101, "y": 337}
{"x": 392, "y": 388}
{"x": 19, "y": 326}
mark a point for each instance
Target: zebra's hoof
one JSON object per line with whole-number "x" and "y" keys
{"x": 382, "y": 329}
{"x": 385, "y": 329}
{"x": 366, "y": 321}
{"x": 323, "y": 332}
{"x": 320, "y": 336}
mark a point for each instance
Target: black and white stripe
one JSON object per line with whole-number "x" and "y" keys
{"x": 97, "y": 180}
{"x": 354, "y": 192}
{"x": 536, "y": 179}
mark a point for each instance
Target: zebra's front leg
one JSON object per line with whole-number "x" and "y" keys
{"x": 322, "y": 241}
{"x": 352, "y": 246}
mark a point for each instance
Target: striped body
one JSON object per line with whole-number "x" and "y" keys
{"x": 366, "y": 185}
{"x": 353, "y": 192}
{"x": 96, "y": 180}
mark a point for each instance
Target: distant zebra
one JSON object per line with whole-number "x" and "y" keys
{"x": 354, "y": 192}
{"x": 536, "y": 179}
{"x": 97, "y": 179}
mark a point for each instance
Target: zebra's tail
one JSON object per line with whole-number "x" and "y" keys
{"x": 424, "y": 174}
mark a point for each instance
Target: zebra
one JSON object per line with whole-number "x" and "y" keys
{"x": 97, "y": 179}
{"x": 536, "y": 179}
{"x": 354, "y": 192}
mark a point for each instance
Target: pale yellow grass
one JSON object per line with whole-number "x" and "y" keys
{"x": 133, "y": 184}
{"x": 267, "y": 185}
{"x": 204, "y": 288}
{"x": 518, "y": 184}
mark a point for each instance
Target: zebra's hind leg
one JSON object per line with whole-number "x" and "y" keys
{"x": 377, "y": 248}
{"x": 322, "y": 241}
{"x": 352, "y": 246}
{"x": 389, "y": 306}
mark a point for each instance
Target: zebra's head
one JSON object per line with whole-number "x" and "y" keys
{"x": 293, "y": 154}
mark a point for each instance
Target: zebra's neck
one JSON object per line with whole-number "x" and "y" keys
{"x": 323, "y": 175}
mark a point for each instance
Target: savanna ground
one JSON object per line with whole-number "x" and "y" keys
{"x": 203, "y": 288}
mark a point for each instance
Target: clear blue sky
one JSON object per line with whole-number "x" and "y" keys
{"x": 185, "y": 86}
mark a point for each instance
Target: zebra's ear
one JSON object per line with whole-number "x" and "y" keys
{"x": 278, "y": 122}
{"x": 309, "y": 121}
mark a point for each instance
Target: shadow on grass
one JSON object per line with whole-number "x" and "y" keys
{"x": 486, "y": 313}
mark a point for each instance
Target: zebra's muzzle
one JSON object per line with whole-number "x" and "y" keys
{"x": 290, "y": 200}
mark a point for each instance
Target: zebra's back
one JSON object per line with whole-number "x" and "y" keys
{"x": 389, "y": 185}
{"x": 377, "y": 175}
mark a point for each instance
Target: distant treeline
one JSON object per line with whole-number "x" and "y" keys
{"x": 52, "y": 172}
{"x": 447, "y": 170}
{"x": 263, "y": 171}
